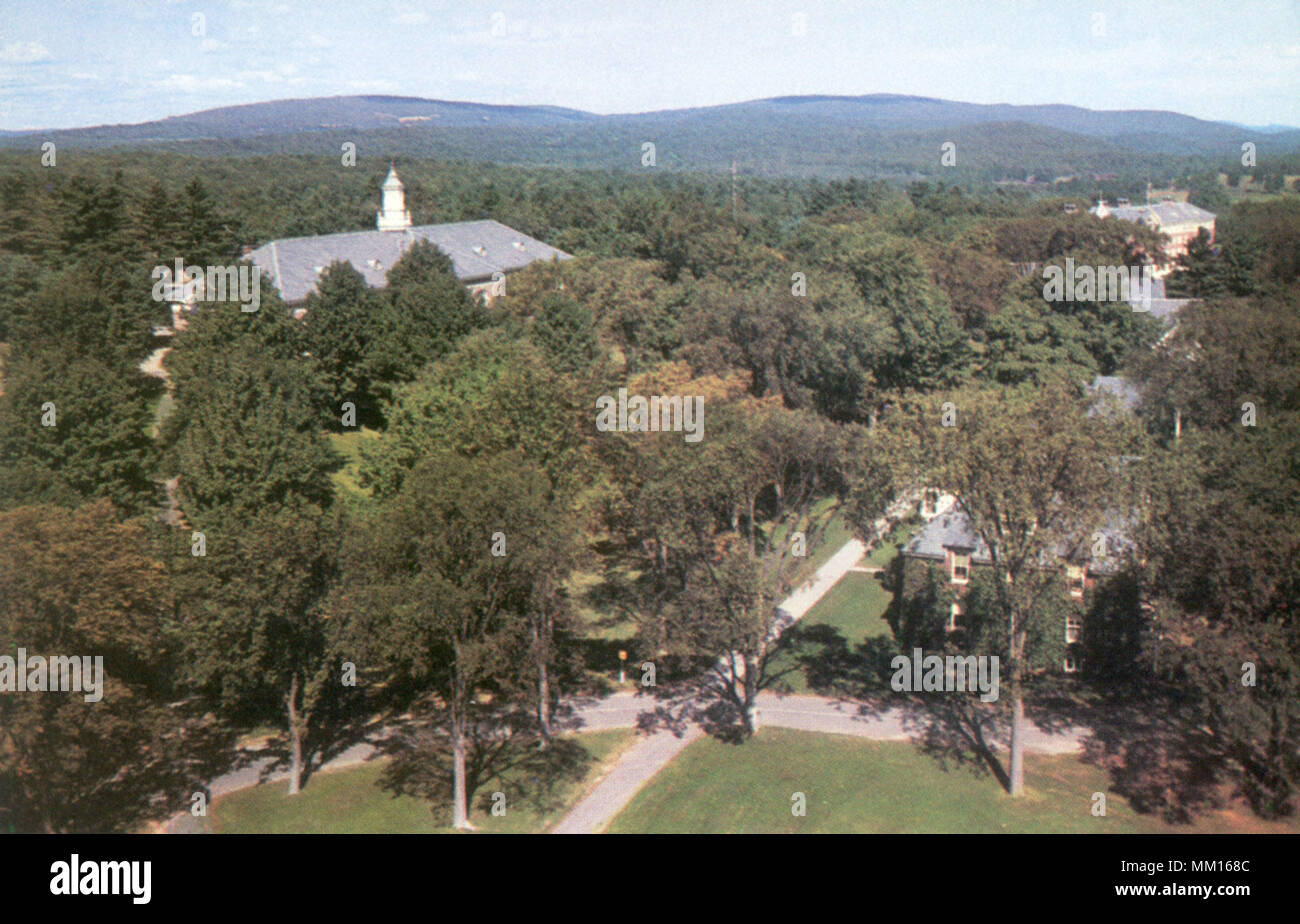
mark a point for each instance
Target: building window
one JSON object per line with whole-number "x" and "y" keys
{"x": 1070, "y": 665}
{"x": 954, "y": 617}
{"x": 960, "y": 568}
{"x": 1073, "y": 629}
{"x": 1074, "y": 580}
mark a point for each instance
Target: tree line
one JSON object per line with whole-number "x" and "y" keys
{"x": 825, "y": 327}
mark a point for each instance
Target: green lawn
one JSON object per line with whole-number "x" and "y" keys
{"x": 350, "y": 801}
{"x": 886, "y": 551}
{"x": 590, "y": 593}
{"x": 855, "y": 607}
{"x": 837, "y": 533}
{"x": 852, "y": 785}
{"x": 348, "y": 445}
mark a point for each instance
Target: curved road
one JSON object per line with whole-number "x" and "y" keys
{"x": 654, "y": 751}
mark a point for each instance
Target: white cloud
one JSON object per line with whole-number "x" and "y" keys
{"x": 372, "y": 85}
{"x": 24, "y": 53}
{"x": 189, "y": 83}
{"x": 264, "y": 76}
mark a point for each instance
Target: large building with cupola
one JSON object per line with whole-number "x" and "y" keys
{"x": 483, "y": 253}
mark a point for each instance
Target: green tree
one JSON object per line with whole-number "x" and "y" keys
{"x": 82, "y": 583}
{"x": 1028, "y": 344}
{"x": 492, "y": 394}
{"x": 566, "y": 333}
{"x": 445, "y": 575}
{"x": 259, "y": 642}
{"x": 1223, "y": 578}
{"x": 343, "y": 328}
{"x": 72, "y": 429}
{"x": 250, "y": 441}
{"x": 930, "y": 350}
{"x": 1036, "y": 475}
{"x": 92, "y": 215}
{"x": 712, "y": 531}
{"x": 425, "y": 310}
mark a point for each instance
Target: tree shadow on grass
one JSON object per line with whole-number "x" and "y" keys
{"x": 351, "y": 720}
{"x": 502, "y": 756}
{"x": 950, "y": 731}
{"x": 1157, "y": 755}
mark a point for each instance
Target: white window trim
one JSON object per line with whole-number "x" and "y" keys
{"x": 1075, "y": 573}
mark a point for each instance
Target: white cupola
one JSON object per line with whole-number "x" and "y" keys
{"x": 394, "y": 216}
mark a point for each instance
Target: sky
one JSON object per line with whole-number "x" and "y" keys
{"x": 68, "y": 63}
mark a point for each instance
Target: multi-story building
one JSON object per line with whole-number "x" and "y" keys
{"x": 1180, "y": 222}
{"x": 950, "y": 544}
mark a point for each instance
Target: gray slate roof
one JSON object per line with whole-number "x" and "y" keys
{"x": 948, "y": 531}
{"x": 953, "y": 531}
{"x": 477, "y": 250}
{"x": 1164, "y": 213}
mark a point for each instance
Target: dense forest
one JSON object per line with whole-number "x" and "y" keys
{"x": 399, "y": 503}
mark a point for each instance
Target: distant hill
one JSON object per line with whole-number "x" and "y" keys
{"x": 290, "y": 116}
{"x": 880, "y": 134}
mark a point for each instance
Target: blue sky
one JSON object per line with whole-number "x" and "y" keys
{"x": 68, "y": 63}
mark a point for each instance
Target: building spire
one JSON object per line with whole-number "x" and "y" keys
{"x": 394, "y": 215}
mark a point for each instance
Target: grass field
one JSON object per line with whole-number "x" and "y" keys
{"x": 348, "y": 445}
{"x": 853, "y": 785}
{"x": 837, "y": 533}
{"x": 350, "y": 801}
{"x": 854, "y": 608}
{"x": 605, "y": 625}
{"x": 886, "y": 551}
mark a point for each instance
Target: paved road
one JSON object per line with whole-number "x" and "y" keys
{"x": 806, "y": 713}
{"x": 820, "y": 714}
{"x": 803, "y": 713}
{"x": 646, "y": 758}
{"x": 655, "y": 751}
